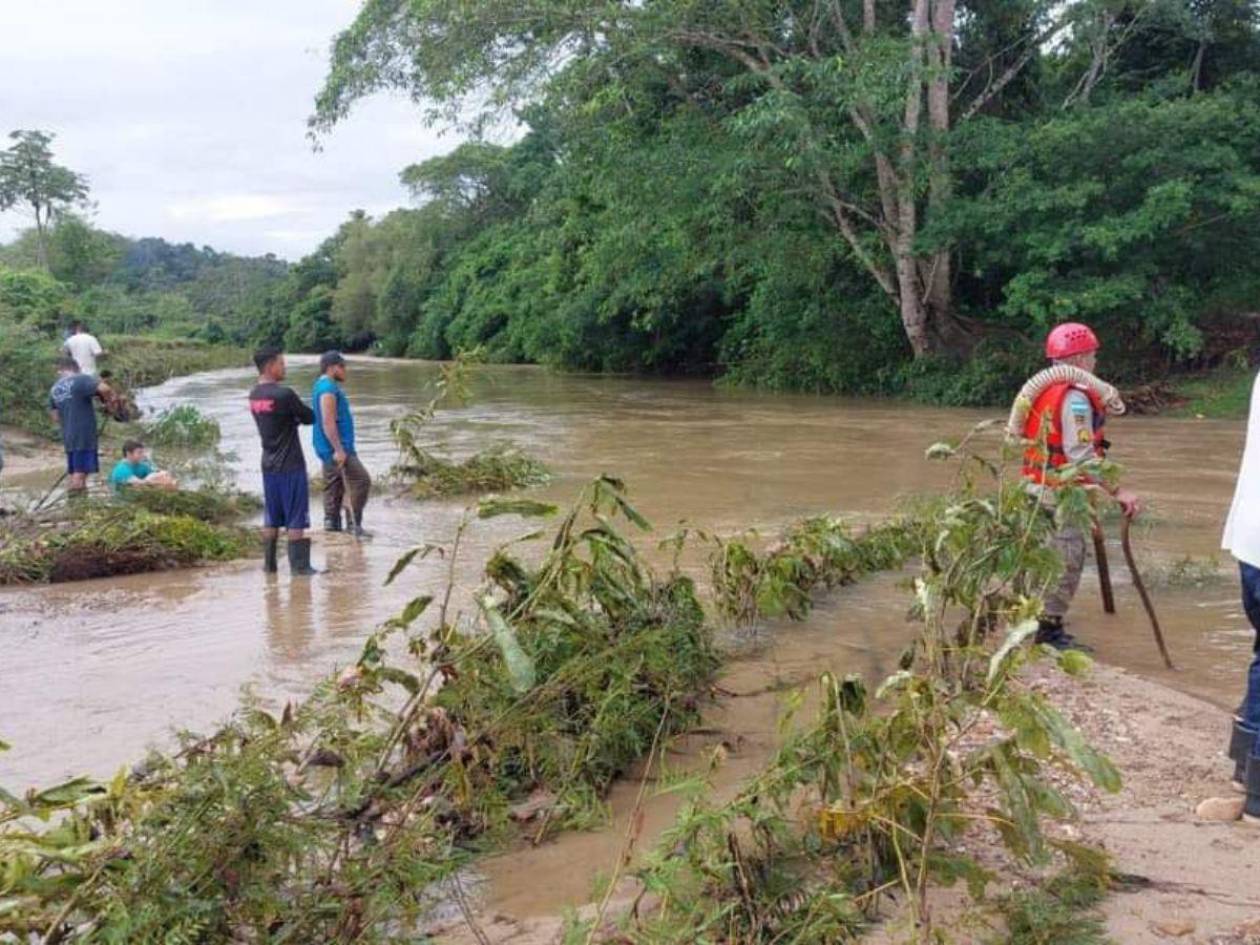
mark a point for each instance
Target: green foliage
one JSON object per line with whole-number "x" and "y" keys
{"x": 181, "y": 426}
{"x": 212, "y": 505}
{"x": 1059, "y": 911}
{"x": 688, "y": 198}
{"x": 892, "y": 782}
{"x": 31, "y": 298}
{"x": 815, "y": 553}
{"x": 338, "y": 819}
{"x": 91, "y": 539}
{"x": 426, "y": 475}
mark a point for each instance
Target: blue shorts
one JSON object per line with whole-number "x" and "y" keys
{"x": 83, "y": 461}
{"x": 287, "y": 500}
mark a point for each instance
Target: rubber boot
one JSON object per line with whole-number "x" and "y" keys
{"x": 1050, "y": 632}
{"x": 270, "y": 548}
{"x": 300, "y": 558}
{"x": 332, "y": 523}
{"x": 1251, "y": 810}
{"x": 1241, "y": 739}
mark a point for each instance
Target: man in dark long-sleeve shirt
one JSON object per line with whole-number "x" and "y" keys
{"x": 278, "y": 411}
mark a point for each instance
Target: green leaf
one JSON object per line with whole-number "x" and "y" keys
{"x": 67, "y": 793}
{"x": 519, "y": 666}
{"x": 400, "y": 677}
{"x": 401, "y": 564}
{"x": 1017, "y": 635}
{"x": 415, "y": 607}
{"x": 1074, "y": 662}
{"x": 529, "y": 508}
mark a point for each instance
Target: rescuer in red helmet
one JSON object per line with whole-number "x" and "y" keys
{"x": 1067, "y": 420}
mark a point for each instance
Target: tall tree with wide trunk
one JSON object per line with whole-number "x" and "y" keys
{"x": 30, "y": 179}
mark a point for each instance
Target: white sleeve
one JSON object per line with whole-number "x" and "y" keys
{"x": 96, "y": 346}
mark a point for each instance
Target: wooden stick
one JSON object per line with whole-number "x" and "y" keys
{"x": 1104, "y": 569}
{"x": 1141, "y": 589}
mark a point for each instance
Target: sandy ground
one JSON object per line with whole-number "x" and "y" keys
{"x": 1200, "y": 880}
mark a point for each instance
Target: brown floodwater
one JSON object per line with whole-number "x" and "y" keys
{"x": 94, "y": 672}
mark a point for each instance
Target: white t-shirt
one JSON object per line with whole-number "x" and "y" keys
{"x": 1242, "y": 528}
{"x": 84, "y": 348}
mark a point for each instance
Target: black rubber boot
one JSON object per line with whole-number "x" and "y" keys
{"x": 1251, "y": 810}
{"x": 1050, "y": 632}
{"x": 270, "y": 548}
{"x": 332, "y": 523}
{"x": 1241, "y": 739}
{"x": 300, "y": 558}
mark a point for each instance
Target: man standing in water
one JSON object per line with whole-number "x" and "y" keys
{"x": 1069, "y": 418}
{"x": 334, "y": 444}
{"x": 278, "y": 411}
{"x": 70, "y": 403}
{"x": 1242, "y": 540}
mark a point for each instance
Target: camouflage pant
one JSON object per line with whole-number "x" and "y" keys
{"x": 1070, "y": 544}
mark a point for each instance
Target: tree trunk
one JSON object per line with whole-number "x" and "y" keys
{"x": 41, "y": 240}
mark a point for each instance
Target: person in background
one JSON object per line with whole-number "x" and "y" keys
{"x": 278, "y": 411}
{"x": 70, "y": 402}
{"x": 84, "y": 348}
{"x": 344, "y": 474}
{"x": 1074, "y": 417}
{"x": 1242, "y": 540}
{"x": 134, "y": 469}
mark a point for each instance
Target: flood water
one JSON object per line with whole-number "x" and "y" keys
{"x": 93, "y": 672}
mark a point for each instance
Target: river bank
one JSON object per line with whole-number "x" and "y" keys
{"x": 1188, "y": 880}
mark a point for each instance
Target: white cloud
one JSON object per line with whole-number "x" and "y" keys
{"x": 231, "y": 208}
{"x": 189, "y": 118}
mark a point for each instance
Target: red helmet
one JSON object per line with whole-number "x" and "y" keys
{"x": 1068, "y": 339}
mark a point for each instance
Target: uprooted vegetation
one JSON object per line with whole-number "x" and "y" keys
{"x": 335, "y": 821}
{"x": 345, "y": 817}
{"x": 146, "y": 531}
{"x": 183, "y": 426}
{"x": 424, "y": 474}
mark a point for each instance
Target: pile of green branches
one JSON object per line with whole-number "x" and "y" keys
{"x": 497, "y": 469}
{"x": 183, "y": 426}
{"x": 815, "y": 553}
{"x": 342, "y": 817}
{"x": 217, "y": 506}
{"x": 425, "y": 475}
{"x": 90, "y": 539}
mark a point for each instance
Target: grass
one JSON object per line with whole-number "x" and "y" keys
{"x": 1061, "y": 911}
{"x": 213, "y": 506}
{"x": 1221, "y": 395}
{"x": 183, "y": 427}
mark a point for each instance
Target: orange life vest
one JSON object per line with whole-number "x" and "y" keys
{"x": 1049, "y": 403}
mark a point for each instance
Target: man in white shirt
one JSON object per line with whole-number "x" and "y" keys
{"x": 1242, "y": 540}
{"x": 84, "y": 348}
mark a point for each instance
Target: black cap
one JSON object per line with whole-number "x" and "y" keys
{"x": 329, "y": 358}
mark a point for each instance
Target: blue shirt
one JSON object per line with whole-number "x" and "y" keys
{"x": 345, "y": 422}
{"x": 72, "y": 397}
{"x": 124, "y": 471}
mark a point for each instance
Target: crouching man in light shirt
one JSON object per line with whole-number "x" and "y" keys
{"x": 1242, "y": 540}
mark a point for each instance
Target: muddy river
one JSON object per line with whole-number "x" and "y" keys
{"x": 92, "y": 673}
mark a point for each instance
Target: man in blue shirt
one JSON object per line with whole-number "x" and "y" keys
{"x": 344, "y": 476}
{"x": 70, "y": 402}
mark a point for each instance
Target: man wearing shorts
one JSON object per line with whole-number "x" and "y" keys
{"x": 279, "y": 411}
{"x": 70, "y": 402}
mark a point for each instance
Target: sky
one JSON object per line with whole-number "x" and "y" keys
{"x": 189, "y": 118}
